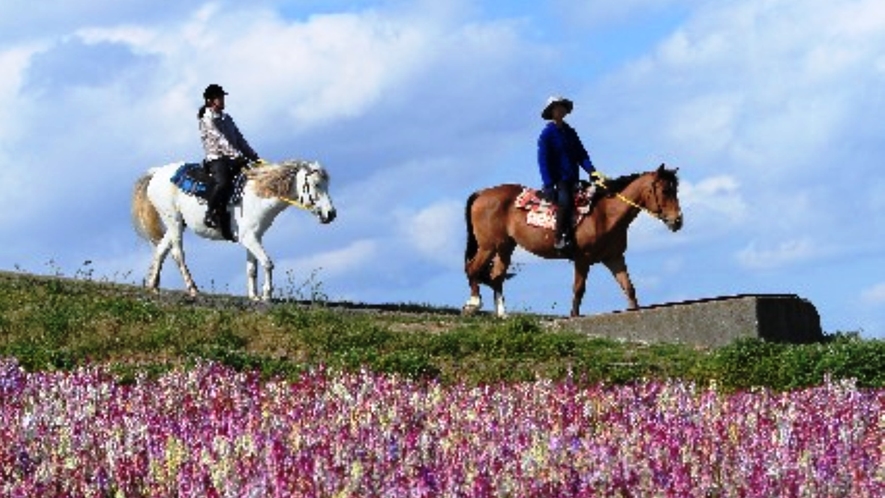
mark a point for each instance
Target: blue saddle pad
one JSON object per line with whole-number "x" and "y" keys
{"x": 193, "y": 180}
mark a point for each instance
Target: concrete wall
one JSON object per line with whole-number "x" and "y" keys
{"x": 710, "y": 322}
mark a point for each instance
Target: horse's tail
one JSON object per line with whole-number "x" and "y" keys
{"x": 145, "y": 217}
{"x": 485, "y": 275}
{"x": 472, "y": 244}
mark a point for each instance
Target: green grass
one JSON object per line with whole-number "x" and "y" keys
{"x": 58, "y": 323}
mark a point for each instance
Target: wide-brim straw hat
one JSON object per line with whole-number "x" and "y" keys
{"x": 547, "y": 112}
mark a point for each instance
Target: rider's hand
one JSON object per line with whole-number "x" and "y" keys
{"x": 596, "y": 176}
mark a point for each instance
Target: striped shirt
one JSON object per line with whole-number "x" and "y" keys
{"x": 222, "y": 138}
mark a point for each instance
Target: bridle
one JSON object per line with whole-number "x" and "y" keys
{"x": 310, "y": 203}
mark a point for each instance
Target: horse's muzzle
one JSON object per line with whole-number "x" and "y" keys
{"x": 675, "y": 223}
{"x": 328, "y": 217}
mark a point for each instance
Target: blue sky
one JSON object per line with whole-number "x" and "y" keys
{"x": 771, "y": 109}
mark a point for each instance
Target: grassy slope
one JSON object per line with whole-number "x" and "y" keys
{"x": 58, "y": 323}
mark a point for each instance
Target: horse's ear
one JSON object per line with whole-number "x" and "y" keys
{"x": 662, "y": 168}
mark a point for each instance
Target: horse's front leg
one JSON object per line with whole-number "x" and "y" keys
{"x": 255, "y": 253}
{"x": 582, "y": 268}
{"x": 618, "y": 267}
{"x": 251, "y": 275}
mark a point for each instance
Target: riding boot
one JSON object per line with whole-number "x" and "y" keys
{"x": 565, "y": 204}
{"x": 563, "y": 241}
{"x": 220, "y": 169}
{"x": 224, "y": 221}
{"x": 211, "y": 220}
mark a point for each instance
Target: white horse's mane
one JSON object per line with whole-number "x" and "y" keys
{"x": 276, "y": 180}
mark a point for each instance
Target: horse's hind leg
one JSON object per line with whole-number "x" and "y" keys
{"x": 582, "y": 268}
{"x": 477, "y": 270}
{"x": 152, "y": 281}
{"x": 500, "y": 264}
{"x": 618, "y": 267}
{"x": 172, "y": 242}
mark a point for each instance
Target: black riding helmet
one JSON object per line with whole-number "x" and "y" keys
{"x": 213, "y": 91}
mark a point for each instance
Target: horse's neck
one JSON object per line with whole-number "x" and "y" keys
{"x": 262, "y": 207}
{"x": 620, "y": 208}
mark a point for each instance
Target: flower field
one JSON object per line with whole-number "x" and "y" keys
{"x": 211, "y": 431}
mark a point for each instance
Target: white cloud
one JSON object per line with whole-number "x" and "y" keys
{"x": 786, "y": 253}
{"x": 874, "y": 295}
{"x": 719, "y": 195}
{"x": 353, "y": 258}
{"x": 437, "y": 232}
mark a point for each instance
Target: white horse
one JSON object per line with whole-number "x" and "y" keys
{"x": 161, "y": 210}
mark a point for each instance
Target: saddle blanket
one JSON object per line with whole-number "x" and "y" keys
{"x": 193, "y": 180}
{"x": 541, "y": 213}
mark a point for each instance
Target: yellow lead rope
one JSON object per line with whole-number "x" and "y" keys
{"x": 600, "y": 181}
{"x": 295, "y": 203}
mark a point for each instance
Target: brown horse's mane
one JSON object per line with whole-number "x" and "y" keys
{"x": 614, "y": 186}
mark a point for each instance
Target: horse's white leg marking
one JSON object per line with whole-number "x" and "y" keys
{"x": 251, "y": 275}
{"x": 253, "y": 244}
{"x": 473, "y": 303}
{"x": 499, "y": 305}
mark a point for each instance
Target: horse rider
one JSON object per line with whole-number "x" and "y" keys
{"x": 227, "y": 153}
{"x": 560, "y": 152}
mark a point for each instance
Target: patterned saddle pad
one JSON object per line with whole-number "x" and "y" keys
{"x": 193, "y": 180}
{"x": 542, "y": 213}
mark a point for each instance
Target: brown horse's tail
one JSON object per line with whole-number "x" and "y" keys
{"x": 145, "y": 217}
{"x": 472, "y": 244}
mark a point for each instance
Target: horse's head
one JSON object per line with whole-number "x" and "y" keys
{"x": 311, "y": 188}
{"x": 661, "y": 198}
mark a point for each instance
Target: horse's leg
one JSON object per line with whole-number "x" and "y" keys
{"x": 618, "y": 267}
{"x": 475, "y": 268}
{"x": 251, "y": 275}
{"x": 175, "y": 235}
{"x": 256, "y": 252}
{"x": 161, "y": 250}
{"x": 582, "y": 268}
{"x": 498, "y": 275}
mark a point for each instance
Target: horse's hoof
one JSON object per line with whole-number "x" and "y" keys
{"x": 469, "y": 309}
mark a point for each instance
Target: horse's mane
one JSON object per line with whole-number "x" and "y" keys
{"x": 276, "y": 180}
{"x": 614, "y": 186}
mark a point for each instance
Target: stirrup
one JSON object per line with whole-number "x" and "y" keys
{"x": 562, "y": 243}
{"x": 211, "y": 220}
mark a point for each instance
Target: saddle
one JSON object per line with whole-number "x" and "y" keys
{"x": 194, "y": 180}
{"x": 541, "y": 213}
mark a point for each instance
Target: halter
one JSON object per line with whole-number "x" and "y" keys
{"x": 600, "y": 181}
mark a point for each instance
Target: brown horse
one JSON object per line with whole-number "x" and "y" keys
{"x": 495, "y": 227}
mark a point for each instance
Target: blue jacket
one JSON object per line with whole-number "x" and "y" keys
{"x": 560, "y": 152}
